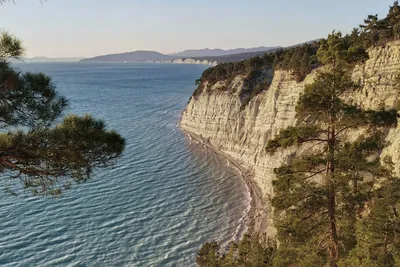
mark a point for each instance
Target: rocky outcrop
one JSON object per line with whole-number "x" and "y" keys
{"x": 218, "y": 116}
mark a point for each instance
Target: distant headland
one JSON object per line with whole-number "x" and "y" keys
{"x": 202, "y": 56}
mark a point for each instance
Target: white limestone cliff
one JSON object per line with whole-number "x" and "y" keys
{"x": 216, "y": 115}
{"x": 190, "y": 61}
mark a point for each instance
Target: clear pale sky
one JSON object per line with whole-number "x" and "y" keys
{"x": 82, "y": 28}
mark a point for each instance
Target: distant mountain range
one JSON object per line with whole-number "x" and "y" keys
{"x": 220, "y": 52}
{"x": 217, "y": 55}
{"x": 247, "y": 55}
{"x": 151, "y": 56}
{"x": 236, "y": 57}
{"x": 136, "y": 56}
{"x": 47, "y": 59}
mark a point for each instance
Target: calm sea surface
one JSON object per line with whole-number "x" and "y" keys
{"x": 163, "y": 199}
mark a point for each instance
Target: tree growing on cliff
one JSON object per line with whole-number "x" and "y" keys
{"x": 251, "y": 251}
{"x": 320, "y": 194}
{"x": 377, "y": 232}
{"x": 45, "y": 154}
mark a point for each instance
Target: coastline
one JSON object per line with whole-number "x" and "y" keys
{"x": 256, "y": 217}
{"x": 191, "y": 61}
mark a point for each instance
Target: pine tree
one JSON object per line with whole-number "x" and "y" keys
{"x": 38, "y": 150}
{"x": 318, "y": 194}
{"x": 209, "y": 255}
{"x": 370, "y": 23}
{"x": 378, "y": 231}
{"x": 251, "y": 251}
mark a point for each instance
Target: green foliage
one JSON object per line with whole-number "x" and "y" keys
{"x": 320, "y": 194}
{"x": 341, "y": 50}
{"x": 47, "y": 160}
{"x": 223, "y": 72}
{"x": 209, "y": 255}
{"x": 254, "y": 63}
{"x": 260, "y": 87}
{"x": 301, "y": 256}
{"x": 44, "y": 156}
{"x": 299, "y": 60}
{"x": 28, "y": 99}
{"x": 249, "y": 252}
{"x": 322, "y": 98}
{"x": 251, "y": 80}
{"x": 294, "y": 136}
{"x": 378, "y": 240}
{"x": 198, "y": 82}
{"x": 253, "y": 89}
{"x": 377, "y": 31}
{"x": 10, "y": 47}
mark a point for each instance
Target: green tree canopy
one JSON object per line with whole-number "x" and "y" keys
{"x": 39, "y": 148}
{"x": 251, "y": 251}
{"x": 377, "y": 232}
{"x": 319, "y": 194}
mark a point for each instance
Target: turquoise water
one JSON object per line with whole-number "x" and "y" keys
{"x": 163, "y": 199}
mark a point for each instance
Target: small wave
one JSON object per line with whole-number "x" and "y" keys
{"x": 242, "y": 228}
{"x": 155, "y": 207}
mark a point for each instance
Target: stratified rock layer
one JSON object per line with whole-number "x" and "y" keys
{"x": 216, "y": 115}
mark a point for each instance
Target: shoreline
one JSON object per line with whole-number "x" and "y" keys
{"x": 190, "y": 61}
{"x": 255, "y": 216}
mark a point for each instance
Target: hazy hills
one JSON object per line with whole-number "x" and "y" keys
{"x": 136, "y": 56}
{"x": 236, "y": 57}
{"x": 218, "y": 55}
{"x": 249, "y": 54}
{"x": 219, "y": 52}
{"x": 46, "y": 60}
{"x": 150, "y": 56}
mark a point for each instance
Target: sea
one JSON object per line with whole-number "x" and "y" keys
{"x": 166, "y": 196}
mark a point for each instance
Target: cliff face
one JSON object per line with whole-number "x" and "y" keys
{"x": 242, "y": 134}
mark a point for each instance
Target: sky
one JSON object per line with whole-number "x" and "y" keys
{"x": 85, "y": 28}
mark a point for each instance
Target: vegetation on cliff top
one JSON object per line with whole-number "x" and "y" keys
{"x": 301, "y": 60}
{"x": 334, "y": 205}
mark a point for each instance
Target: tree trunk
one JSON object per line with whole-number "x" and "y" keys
{"x": 334, "y": 244}
{"x": 330, "y": 175}
{"x": 386, "y": 237}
